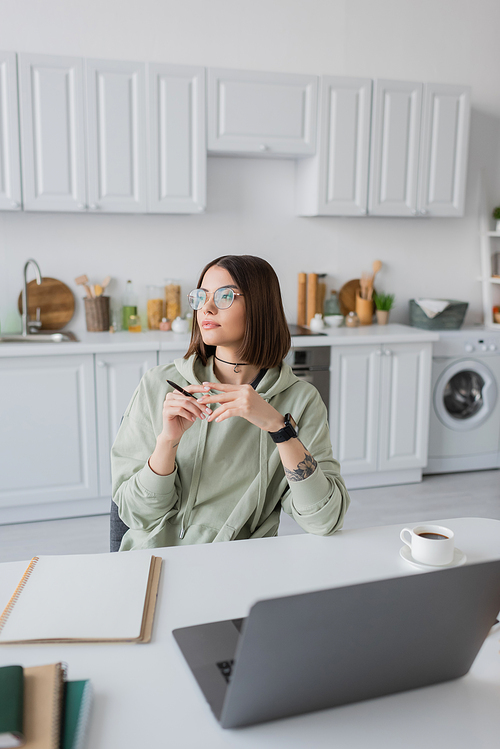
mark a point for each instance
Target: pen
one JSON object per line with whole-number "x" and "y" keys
{"x": 181, "y": 390}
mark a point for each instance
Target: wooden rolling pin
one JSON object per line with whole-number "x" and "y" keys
{"x": 320, "y": 301}
{"x": 301, "y": 302}
{"x": 312, "y": 296}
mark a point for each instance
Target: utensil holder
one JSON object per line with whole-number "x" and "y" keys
{"x": 97, "y": 314}
{"x": 364, "y": 310}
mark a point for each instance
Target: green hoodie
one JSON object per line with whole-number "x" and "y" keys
{"x": 229, "y": 481}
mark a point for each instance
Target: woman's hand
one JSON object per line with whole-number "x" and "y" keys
{"x": 244, "y": 401}
{"x": 180, "y": 413}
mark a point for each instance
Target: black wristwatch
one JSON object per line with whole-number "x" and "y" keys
{"x": 289, "y": 431}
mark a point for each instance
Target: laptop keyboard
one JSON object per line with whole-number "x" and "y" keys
{"x": 226, "y": 669}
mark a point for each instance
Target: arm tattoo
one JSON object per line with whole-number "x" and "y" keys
{"x": 304, "y": 469}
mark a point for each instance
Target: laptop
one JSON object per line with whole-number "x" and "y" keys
{"x": 317, "y": 650}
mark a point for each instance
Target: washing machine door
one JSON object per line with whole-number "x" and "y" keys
{"x": 465, "y": 395}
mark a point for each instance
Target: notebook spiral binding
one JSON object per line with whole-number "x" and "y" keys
{"x": 10, "y": 605}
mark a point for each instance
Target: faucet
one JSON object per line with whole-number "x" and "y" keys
{"x": 29, "y": 325}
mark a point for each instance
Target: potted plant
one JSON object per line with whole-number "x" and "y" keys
{"x": 383, "y": 303}
{"x": 496, "y": 216}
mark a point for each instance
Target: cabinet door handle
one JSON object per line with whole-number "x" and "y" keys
{"x": 387, "y": 352}
{"x": 94, "y": 207}
{"x": 263, "y": 147}
{"x": 378, "y": 352}
{"x": 15, "y": 205}
{"x": 101, "y": 363}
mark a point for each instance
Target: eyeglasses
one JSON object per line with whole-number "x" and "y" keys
{"x": 223, "y": 297}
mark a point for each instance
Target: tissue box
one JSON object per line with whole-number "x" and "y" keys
{"x": 449, "y": 319}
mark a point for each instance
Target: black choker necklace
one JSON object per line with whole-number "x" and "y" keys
{"x": 233, "y": 364}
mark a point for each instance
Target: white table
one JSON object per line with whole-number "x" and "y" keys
{"x": 145, "y": 695}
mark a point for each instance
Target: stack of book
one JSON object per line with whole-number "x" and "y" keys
{"x": 87, "y": 598}
{"x": 39, "y": 708}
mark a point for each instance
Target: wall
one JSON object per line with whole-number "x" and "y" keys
{"x": 251, "y": 202}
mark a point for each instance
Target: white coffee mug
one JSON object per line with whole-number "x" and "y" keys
{"x": 430, "y": 544}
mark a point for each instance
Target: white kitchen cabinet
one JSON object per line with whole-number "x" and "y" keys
{"x": 117, "y": 376}
{"x": 10, "y": 157}
{"x": 116, "y": 131}
{"x": 379, "y": 412}
{"x": 47, "y": 441}
{"x": 335, "y": 181}
{"x": 354, "y": 407}
{"x": 177, "y": 142}
{"x": 404, "y": 406}
{"x": 255, "y": 113}
{"x": 394, "y": 156}
{"x": 419, "y": 149}
{"x": 444, "y": 150}
{"x": 52, "y": 133}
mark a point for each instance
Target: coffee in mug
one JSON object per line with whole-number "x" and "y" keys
{"x": 430, "y": 544}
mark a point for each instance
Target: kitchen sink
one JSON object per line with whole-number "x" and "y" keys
{"x": 57, "y": 337}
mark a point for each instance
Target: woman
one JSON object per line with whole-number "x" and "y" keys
{"x": 220, "y": 465}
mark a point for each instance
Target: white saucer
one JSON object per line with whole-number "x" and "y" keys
{"x": 458, "y": 559}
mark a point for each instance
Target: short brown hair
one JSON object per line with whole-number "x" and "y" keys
{"x": 267, "y": 338}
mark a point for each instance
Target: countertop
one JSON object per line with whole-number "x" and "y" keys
{"x": 153, "y": 340}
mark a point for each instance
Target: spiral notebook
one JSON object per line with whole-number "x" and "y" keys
{"x": 43, "y": 705}
{"x": 79, "y": 598}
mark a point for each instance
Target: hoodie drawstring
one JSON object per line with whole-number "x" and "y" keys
{"x": 262, "y": 480}
{"x": 195, "y": 481}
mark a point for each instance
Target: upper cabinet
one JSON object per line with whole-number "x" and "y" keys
{"x": 10, "y": 168}
{"x": 131, "y": 137}
{"x": 177, "y": 159}
{"x": 335, "y": 181}
{"x": 419, "y": 147}
{"x": 397, "y": 108}
{"x": 107, "y": 136}
{"x": 444, "y": 150}
{"x": 52, "y": 133}
{"x": 269, "y": 114}
{"x": 116, "y": 117}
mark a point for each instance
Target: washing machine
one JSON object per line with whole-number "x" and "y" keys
{"x": 464, "y": 427}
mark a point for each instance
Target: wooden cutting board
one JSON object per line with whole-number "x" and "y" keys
{"x": 347, "y": 296}
{"x": 56, "y": 302}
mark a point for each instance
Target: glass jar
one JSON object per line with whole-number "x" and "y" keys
{"x": 134, "y": 324}
{"x": 155, "y": 307}
{"x": 331, "y": 306}
{"x": 129, "y": 306}
{"x": 172, "y": 299}
{"x": 352, "y": 320}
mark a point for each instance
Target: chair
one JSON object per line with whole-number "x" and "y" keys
{"x": 117, "y": 528}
